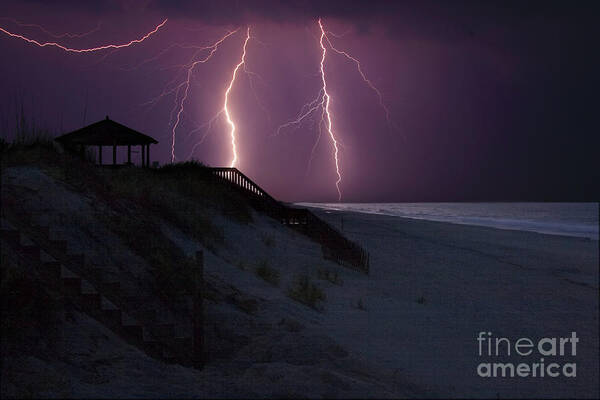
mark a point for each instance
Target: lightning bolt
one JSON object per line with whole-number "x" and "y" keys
{"x": 55, "y": 35}
{"x": 181, "y": 89}
{"x": 323, "y": 99}
{"x": 226, "y": 103}
{"x": 321, "y": 102}
{"x": 186, "y": 84}
{"x": 365, "y": 79}
{"x": 325, "y": 107}
{"x": 85, "y": 50}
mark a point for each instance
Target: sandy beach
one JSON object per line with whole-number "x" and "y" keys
{"x": 434, "y": 286}
{"x": 409, "y": 328}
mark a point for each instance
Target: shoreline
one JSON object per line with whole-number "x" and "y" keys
{"x": 323, "y": 210}
{"x": 434, "y": 286}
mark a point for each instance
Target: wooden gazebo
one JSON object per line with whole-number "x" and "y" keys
{"x": 109, "y": 133}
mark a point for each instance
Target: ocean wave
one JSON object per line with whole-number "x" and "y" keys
{"x": 568, "y": 219}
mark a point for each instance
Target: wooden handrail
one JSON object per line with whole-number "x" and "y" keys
{"x": 236, "y": 177}
{"x": 335, "y": 245}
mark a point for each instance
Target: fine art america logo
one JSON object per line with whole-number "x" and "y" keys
{"x": 549, "y": 355}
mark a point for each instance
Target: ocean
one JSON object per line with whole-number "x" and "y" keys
{"x": 569, "y": 219}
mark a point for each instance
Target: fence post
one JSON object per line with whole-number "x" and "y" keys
{"x": 198, "y": 312}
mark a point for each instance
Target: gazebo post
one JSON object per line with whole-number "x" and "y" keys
{"x": 100, "y": 155}
{"x": 143, "y": 156}
{"x": 114, "y": 154}
{"x": 128, "y": 154}
{"x": 148, "y": 155}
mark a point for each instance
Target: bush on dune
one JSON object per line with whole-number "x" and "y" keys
{"x": 266, "y": 272}
{"x": 306, "y": 292}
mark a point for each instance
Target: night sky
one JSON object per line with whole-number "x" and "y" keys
{"x": 489, "y": 101}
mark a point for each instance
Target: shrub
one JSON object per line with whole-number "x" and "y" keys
{"x": 305, "y": 292}
{"x": 267, "y": 273}
{"x": 329, "y": 275}
{"x": 360, "y": 305}
{"x": 268, "y": 240}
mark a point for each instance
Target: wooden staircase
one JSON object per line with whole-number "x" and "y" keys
{"x": 334, "y": 245}
{"x": 97, "y": 294}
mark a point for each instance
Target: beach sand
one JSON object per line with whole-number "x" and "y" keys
{"x": 407, "y": 329}
{"x": 434, "y": 286}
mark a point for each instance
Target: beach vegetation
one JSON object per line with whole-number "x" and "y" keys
{"x": 360, "y": 304}
{"x": 306, "y": 292}
{"x": 266, "y": 272}
{"x": 268, "y": 240}
{"x": 329, "y": 275}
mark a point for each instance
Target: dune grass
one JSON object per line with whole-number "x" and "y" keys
{"x": 266, "y": 272}
{"x": 329, "y": 275}
{"x": 306, "y": 292}
{"x": 267, "y": 239}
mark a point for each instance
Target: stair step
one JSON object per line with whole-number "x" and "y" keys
{"x": 136, "y": 301}
{"x": 45, "y": 257}
{"x": 5, "y": 224}
{"x": 90, "y": 298}
{"x": 112, "y": 317}
{"x": 110, "y": 312}
{"x": 11, "y": 236}
{"x": 77, "y": 260}
{"x": 25, "y": 241}
{"x": 22, "y": 216}
{"x": 87, "y": 288}
{"x": 67, "y": 273}
{"x": 153, "y": 348}
{"x": 97, "y": 273}
{"x": 59, "y": 245}
{"x": 52, "y": 269}
{"x": 133, "y": 331}
{"x": 71, "y": 286}
{"x": 90, "y": 301}
{"x": 43, "y": 230}
{"x": 107, "y": 304}
{"x": 145, "y": 314}
{"x": 111, "y": 287}
{"x": 162, "y": 331}
{"x": 56, "y": 234}
{"x": 182, "y": 345}
{"x": 71, "y": 282}
{"x": 168, "y": 356}
{"x": 31, "y": 251}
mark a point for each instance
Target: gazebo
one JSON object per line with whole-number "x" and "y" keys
{"x": 109, "y": 133}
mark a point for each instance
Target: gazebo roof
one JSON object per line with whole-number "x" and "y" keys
{"x": 105, "y": 133}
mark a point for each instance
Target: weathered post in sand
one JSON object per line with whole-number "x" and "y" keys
{"x": 198, "y": 313}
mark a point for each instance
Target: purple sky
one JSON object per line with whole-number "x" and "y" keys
{"x": 490, "y": 101}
